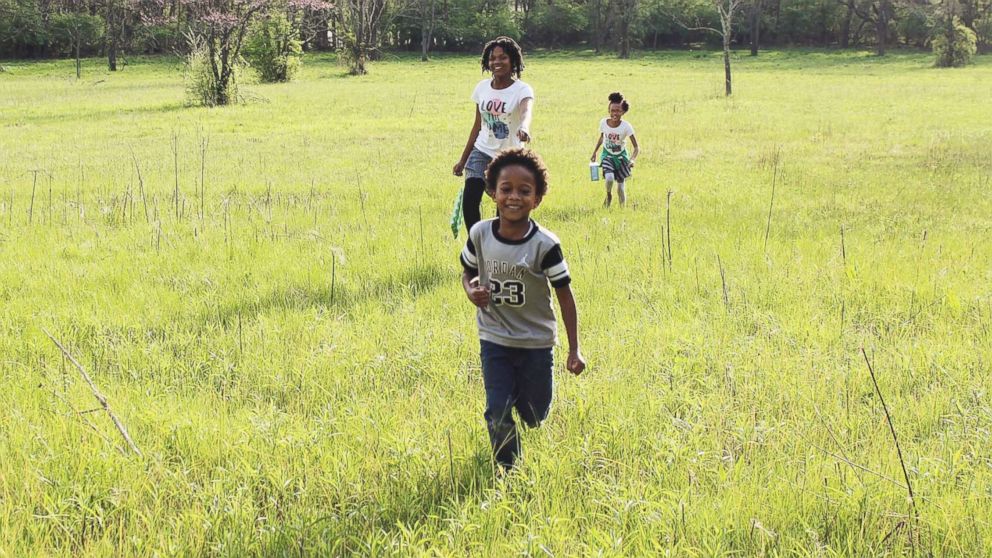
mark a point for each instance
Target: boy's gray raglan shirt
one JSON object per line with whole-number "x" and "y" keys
{"x": 518, "y": 273}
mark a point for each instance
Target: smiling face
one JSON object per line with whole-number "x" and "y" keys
{"x": 516, "y": 193}
{"x": 499, "y": 63}
{"x": 616, "y": 111}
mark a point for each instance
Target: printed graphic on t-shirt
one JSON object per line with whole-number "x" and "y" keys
{"x": 493, "y": 112}
{"x": 506, "y": 284}
{"x": 614, "y": 142}
{"x": 510, "y": 293}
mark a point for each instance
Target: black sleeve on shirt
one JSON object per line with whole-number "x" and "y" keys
{"x": 553, "y": 257}
{"x": 472, "y": 270}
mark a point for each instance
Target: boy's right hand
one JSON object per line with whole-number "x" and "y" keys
{"x": 458, "y": 168}
{"x": 575, "y": 364}
{"x": 477, "y": 294}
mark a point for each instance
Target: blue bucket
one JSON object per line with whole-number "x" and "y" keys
{"x": 594, "y": 171}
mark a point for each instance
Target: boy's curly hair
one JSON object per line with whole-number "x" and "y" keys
{"x": 511, "y": 48}
{"x": 617, "y": 97}
{"x": 526, "y": 159}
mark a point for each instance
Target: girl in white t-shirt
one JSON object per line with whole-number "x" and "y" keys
{"x": 502, "y": 120}
{"x": 613, "y": 134}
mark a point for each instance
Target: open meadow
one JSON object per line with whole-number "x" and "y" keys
{"x": 268, "y": 295}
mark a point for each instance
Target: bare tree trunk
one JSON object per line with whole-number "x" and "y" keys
{"x": 882, "y": 27}
{"x": 625, "y": 17}
{"x": 726, "y": 9}
{"x": 78, "y": 68}
{"x": 597, "y": 25}
{"x": 845, "y": 30}
{"x": 427, "y": 20}
{"x": 755, "y": 25}
{"x": 627, "y": 12}
{"x": 179, "y": 21}
{"x": 112, "y": 34}
{"x": 726, "y": 63}
{"x": 320, "y": 40}
{"x": 727, "y": 12}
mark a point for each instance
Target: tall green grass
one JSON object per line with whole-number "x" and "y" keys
{"x": 288, "y": 343}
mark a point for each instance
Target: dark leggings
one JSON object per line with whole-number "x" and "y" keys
{"x": 474, "y": 188}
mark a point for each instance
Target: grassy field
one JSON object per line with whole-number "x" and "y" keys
{"x": 289, "y": 346}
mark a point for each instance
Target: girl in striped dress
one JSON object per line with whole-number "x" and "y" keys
{"x": 613, "y": 134}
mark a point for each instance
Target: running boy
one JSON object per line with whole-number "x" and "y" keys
{"x": 509, "y": 262}
{"x": 613, "y": 133}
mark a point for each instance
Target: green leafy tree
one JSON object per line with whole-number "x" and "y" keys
{"x": 556, "y": 24}
{"x": 626, "y": 19}
{"x": 471, "y": 23}
{"x": 23, "y": 31}
{"x": 983, "y": 32}
{"x": 76, "y": 31}
{"x": 274, "y": 49}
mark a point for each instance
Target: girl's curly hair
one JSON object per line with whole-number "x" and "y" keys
{"x": 511, "y": 48}
{"x": 518, "y": 156}
{"x": 617, "y": 97}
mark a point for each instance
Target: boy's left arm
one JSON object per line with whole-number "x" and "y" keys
{"x": 576, "y": 364}
{"x": 633, "y": 141}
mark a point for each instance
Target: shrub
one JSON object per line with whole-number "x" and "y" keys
{"x": 202, "y": 85}
{"x": 953, "y": 44}
{"x": 354, "y": 54}
{"x": 273, "y": 49}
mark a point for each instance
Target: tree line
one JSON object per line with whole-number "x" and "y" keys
{"x": 216, "y": 35}
{"x": 54, "y": 28}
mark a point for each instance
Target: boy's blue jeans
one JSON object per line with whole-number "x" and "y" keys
{"x": 514, "y": 378}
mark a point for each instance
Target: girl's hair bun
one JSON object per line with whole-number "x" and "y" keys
{"x": 617, "y": 97}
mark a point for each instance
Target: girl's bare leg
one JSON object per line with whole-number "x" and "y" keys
{"x": 609, "y": 190}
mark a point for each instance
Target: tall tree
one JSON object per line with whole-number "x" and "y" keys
{"x": 73, "y": 24}
{"x": 364, "y": 22}
{"x": 727, "y": 11}
{"x": 882, "y": 11}
{"x": 755, "y": 17}
{"x": 117, "y": 15}
{"x": 626, "y": 16}
{"x": 427, "y": 13}
{"x": 879, "y": 13}
{"x": 845, "y": 27}
{"x": 601, "y": 17}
